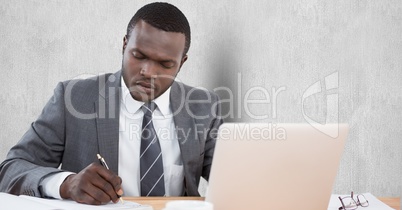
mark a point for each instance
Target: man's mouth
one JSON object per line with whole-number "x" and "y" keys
{"x": 145, "y": 87}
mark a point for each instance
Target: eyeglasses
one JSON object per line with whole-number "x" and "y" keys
{"x": 349, "y": 203}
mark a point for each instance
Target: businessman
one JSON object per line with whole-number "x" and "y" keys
{"x": 156, "y": 135}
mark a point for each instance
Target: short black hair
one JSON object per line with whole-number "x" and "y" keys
{"x": 163, "y": 16}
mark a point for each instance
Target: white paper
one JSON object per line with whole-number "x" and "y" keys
{"x": 374, "y": 203}
{"x": 12, "y": 202}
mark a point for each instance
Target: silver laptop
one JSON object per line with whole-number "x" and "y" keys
{"x": 275, "y": 166}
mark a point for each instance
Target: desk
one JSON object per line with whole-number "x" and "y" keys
{"x": 158, "y": 203}
{"x": 393, "y": 202}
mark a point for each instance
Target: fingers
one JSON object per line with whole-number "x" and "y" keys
{"x": 84, "y": 196}
{"x": 106, "y": 189}
{"x": 113, "y": 180}
{"x": 93, "y": 185}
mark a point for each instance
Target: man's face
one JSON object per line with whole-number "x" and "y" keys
{"x": 151, "y": 60}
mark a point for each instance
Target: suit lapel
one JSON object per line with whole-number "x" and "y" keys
{"x": 107, "y": 120}
{"x": 185, "y": 128}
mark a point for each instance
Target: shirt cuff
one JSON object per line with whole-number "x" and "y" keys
{"x": 51, "y": 184}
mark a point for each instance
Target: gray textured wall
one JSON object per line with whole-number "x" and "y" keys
{"x": 267, "y": 44}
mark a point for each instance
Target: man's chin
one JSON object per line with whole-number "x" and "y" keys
{"x": 143, "y": 96}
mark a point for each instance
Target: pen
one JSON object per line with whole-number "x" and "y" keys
{"x": 104, "y": 164}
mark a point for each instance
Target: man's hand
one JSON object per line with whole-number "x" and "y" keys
{"x": 93, "y": 185}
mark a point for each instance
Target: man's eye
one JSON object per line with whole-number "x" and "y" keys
{"x": 138, "y": 55}
{"x": 168, "y": 64}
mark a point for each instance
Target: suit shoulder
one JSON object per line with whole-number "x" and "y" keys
{"x": 92, "y": 86}
{"x": 91, "y": 82}
{"x": 194, "y": 93}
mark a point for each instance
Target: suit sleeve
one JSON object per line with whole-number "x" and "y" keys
{"x": 39, "y": 152}
{"x": 211, "y": 139}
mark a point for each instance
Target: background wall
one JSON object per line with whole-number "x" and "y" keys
{"x": 266, "y": 44}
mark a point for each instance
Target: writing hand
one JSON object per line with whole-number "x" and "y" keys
{"x": 93, "y": 185}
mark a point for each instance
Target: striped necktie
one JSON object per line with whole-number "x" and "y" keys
{"x": 151, "y": 165}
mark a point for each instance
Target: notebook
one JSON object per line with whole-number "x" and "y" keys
{"x": 275, "y": 166}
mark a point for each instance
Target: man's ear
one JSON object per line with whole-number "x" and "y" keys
{"x": 125, "y": 40}
{"x": 182, "y": 61}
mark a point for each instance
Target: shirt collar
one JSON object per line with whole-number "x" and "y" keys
{"x": 133, "y": 105}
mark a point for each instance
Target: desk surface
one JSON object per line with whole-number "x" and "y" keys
{"x": 391, "y": 201}
{"x": 158, "y": 203}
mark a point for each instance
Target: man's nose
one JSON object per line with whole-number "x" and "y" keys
{"x": 149, "y": 69}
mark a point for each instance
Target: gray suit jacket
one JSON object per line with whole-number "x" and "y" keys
{"x": 82, "y": 119}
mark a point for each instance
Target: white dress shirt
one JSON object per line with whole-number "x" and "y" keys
{"x": 131, "y": 116}
{"x": 130, "y": 125}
